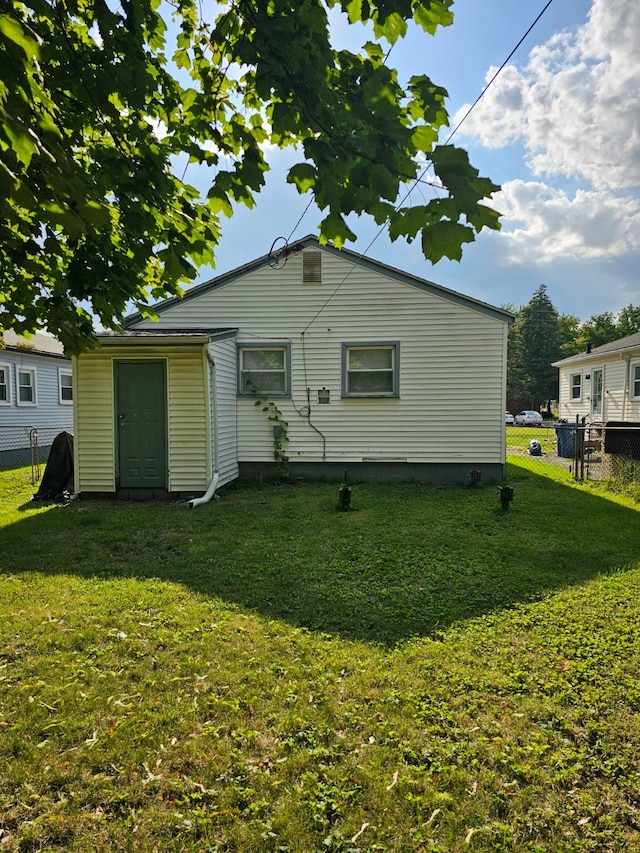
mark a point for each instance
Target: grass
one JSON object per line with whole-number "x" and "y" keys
{"x": 518, "y": 438}
{"x": 425, "y": 673}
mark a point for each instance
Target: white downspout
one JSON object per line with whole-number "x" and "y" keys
{"x": 625, "y": 392}
{"x": 214, "y": 424}
{"x": 207, "y": 495}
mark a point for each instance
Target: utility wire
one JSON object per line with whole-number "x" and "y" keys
{"x": 502, "y": 67}
{"x": 302, "y": 215}
{"x": 426, "y": 169}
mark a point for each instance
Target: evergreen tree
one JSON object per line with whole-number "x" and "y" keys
{"x": 535, "y": 341}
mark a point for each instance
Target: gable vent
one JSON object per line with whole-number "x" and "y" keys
{"x": 312, "y": 267}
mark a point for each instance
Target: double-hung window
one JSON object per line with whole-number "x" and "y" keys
{"x": 264, "y": 369}
{"x": 576, "y": 386}
{"x": 65, "y": 386}
{"x": 371, "y": 369}
{"x": 5, "y": 387}
{"x": 26, "y": 386}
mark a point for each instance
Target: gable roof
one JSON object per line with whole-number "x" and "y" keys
{"x": 311, "y": 241}
{"x": 630, "y": 342}
{"x": 37, "y": 344}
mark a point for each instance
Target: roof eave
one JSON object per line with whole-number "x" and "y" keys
{"x": 348, "y": 254}
{"x": 594, "y": 356}
{"x": 186, "y": 338}
{"x": 39, "y": 352}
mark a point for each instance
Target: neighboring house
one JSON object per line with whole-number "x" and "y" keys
{"x": 372, "y": 370}
{"x": 36, "y": 393}
{"x": 602, "y": 384}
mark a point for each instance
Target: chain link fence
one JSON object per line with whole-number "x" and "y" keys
{"x": 29, "y": 446}
{"x": 608, "y": 453}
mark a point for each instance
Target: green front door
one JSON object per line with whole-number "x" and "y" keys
{"x": 141, "y": 424}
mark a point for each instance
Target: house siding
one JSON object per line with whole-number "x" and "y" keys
{"x": 49, "y": 415}
{"x": 224, "y": 410}
{"x": 94, "y": 440}
{"x": 189, "y": 426}
{"x": 188, "y": 421}
{"x": 451, "y": 396}
{"x": 616, "y": 402}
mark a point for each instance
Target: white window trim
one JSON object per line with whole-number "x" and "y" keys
{"x": 592, "y": 413}
{"x": 632, "y": 366}
{"x": 7, "y": 374}
{"x": 395, "y": 370}
{"x": 34, "y": 384}
{"x": 64, "y": 371}
{"x": 284, "y": 346}
{"x": 573, "y": 399}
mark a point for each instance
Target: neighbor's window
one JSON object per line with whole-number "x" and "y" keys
{"x": 635, "y": 380}
{"x": 65, "y": 383}
{"x": 576, "y": 386}
{"x": 4, "y": 384}
{"x": 370, "y": 370}
{"x": 264, "y": 370}
{"x": 26, "y": 387}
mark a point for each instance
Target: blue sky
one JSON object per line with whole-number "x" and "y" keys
{"x": 559, "y": 130}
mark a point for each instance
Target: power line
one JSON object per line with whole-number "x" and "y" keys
{"x": 502, "y": 67}
{"x": 302, "y": 215}
{"x": 419, "y": 178}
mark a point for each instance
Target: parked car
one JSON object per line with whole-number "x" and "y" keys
{"x": 528, "y": 418}
{"x": 509, "y": 419}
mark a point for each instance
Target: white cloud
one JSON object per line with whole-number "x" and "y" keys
{"x": 545, "y": 224}
{"x": 575, "y": 105}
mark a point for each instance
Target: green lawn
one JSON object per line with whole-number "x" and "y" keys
{"x": 519, "y": 437}
{"x": 263, "y": 673}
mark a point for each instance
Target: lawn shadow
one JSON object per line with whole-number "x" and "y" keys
{"x": 408, "y": 561}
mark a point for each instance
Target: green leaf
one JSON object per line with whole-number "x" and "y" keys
{"x": 303, "y": 175}
{"x": 484, "y": 217}
{"x": 354, "y": 11}
{"x": 423, "y": 138}
{"x": 374, "y": 51}
{"x": 23, "y": 142}
{"x": 445, "y": 239}
{"x": 433, "y": 15}
{"x": 335, "y": 229}
{"x": 385, "y": 183}
{"x": 393, "y": 27}
{"x": 15, "y": 32}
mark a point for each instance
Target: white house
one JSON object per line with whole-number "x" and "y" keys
{"x": 36, "y": 394}
{"x": 357, "y": 365}
{"x": 602, "y": 384}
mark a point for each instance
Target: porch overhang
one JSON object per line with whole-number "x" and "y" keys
{"x": 165, "y": 337}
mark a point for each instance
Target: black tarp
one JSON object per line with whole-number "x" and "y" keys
{"x": 57, "y": 480}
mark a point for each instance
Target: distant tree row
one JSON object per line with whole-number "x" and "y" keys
{"x": 541, "y": 335}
